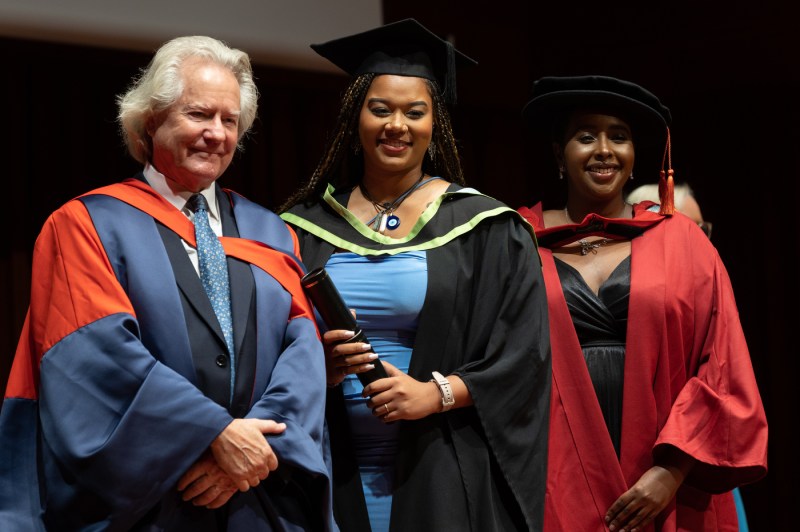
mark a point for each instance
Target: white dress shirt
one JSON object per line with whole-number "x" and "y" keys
{"x": 158, "y": 181}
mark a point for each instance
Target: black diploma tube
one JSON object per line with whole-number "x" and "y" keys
{"x": 334, "y": 312}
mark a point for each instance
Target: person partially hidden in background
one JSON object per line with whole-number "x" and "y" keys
{"x": 685, "y": 202}
{"x": 170, "y": 375}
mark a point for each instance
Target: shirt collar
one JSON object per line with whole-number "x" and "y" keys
{"x": 178, "y": 199}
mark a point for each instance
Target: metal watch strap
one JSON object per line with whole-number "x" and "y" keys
{"x": 448, "y": 399}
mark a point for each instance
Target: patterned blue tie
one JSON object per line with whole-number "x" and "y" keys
{"x": 213, "y": 272}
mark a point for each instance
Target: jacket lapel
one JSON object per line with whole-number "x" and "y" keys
{"x": 189, "y": 282}
{"x": 241, "y": 278}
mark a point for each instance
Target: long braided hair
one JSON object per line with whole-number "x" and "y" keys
{"x": 343, "y": 166}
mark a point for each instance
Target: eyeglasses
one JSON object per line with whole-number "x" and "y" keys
{"x": 706, "y": 227}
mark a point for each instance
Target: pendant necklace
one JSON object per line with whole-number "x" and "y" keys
{"x": 385, "y": 217}
{"x": 592, "y": 246}
{"x": 587, "y": 246}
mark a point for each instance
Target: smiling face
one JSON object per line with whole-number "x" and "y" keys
{"x": 597, "y": 155}
{"x": 396, "y": 124}
{"x": 194, "y": 140}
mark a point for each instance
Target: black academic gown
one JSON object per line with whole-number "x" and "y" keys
{"x": 480, "y": 468}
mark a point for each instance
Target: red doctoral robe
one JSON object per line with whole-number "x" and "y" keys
{"x": 688, "y": 383}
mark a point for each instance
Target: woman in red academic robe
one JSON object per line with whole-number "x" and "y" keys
{"x": 655, "y": 414}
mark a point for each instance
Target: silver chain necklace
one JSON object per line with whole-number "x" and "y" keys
{"x": 385, "y": 217}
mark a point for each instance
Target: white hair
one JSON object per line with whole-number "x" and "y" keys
{"x": 650, "y": 192}
{"x": 160, "y": 85}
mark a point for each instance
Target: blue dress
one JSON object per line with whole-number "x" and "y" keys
{"x": 387, "y": 293}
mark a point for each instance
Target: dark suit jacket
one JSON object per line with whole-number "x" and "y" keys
{"x": 211, "y": 357}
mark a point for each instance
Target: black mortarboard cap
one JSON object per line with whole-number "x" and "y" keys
{"x": 404, "y": 48}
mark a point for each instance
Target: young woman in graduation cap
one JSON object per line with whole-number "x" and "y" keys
{"x": 446, "y": 283}
{"x": 655, "y": 414}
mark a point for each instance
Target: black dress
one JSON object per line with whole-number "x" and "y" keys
{"x": 601, "y": 322}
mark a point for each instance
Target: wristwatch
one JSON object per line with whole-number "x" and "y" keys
{"x": 448, "y": 399}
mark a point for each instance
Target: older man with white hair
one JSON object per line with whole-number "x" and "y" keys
{"x": 169, "y": 375}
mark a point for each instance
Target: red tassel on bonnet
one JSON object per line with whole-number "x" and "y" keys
{"x": 666, "y": 193}
{"x": 666, "y": 184}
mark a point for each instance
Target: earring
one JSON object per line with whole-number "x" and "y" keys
{"x": 356, "y": 146}
{"x": 561, "y": 173}
{"x": 631, "y": 177}
{"x": 432, "y": 151}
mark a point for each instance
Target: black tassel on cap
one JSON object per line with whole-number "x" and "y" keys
{"x": 449, "y": 89}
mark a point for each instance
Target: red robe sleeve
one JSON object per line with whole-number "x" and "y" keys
{"x": 688, "y": 383}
